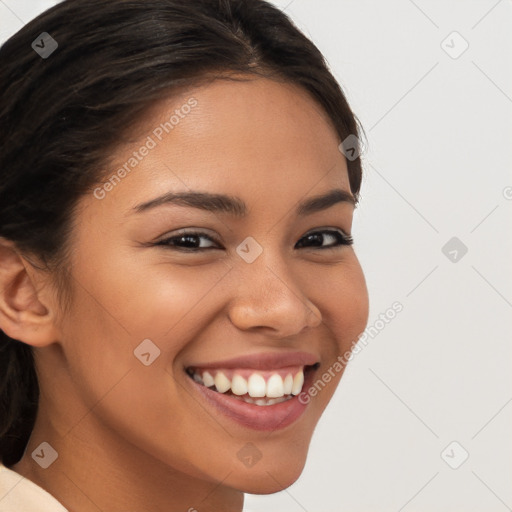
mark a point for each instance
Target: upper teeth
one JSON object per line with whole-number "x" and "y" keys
{"x": 254, "y": 384}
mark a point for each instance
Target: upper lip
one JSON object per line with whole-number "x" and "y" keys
{"x": 263, "y": 361}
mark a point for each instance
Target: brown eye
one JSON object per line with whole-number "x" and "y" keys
{"x": 191, "y": 242}
{"x": 188, "y": 242}
{"x": 317, "y": 238}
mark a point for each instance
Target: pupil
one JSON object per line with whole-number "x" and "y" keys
{"x": 316, "y": 237}
{"x": 189, "y": 239}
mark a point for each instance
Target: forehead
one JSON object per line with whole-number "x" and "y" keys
{"x": 253, "y": 138}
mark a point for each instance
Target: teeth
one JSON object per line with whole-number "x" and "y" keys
{"x": 208, "y": 380}
{"x": 287, "y": 384}
{"x": 222, "y": 383}
{"x": 239, "y": 385}
{"x": 298, "y": 381}
{"x": 263, "y": 401}
{"x": 272, "y": 401}
{"x": 275, "y": 386}
{"x": 256, "y": 387}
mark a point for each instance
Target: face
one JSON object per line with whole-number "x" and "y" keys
{"x": 196, "y": 318}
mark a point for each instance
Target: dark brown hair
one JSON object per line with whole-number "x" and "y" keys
{"x": 61, "y": 116}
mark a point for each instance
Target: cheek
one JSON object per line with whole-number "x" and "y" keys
{"x": 341, "y": 296}
{"x": 345, "y": 303}
{"x": 148, "y": 293}
{"x": 118, "y": 305}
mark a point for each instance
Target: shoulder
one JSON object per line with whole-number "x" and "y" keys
{"x": 19, "y": 494}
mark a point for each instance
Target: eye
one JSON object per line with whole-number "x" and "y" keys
{"x": 191, "y": 241}
{"x": 188, "y": 242}
{"x": 318, "y": 237}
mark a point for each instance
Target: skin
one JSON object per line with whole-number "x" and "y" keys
{"x": 132, "y": 437}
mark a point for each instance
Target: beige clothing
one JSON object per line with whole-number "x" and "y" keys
{"x": 18, "y": 494}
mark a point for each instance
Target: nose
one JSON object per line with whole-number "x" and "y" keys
{"x": 270, "y": 298}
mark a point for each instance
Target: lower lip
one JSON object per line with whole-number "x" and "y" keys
{"x": 257, "y": 417}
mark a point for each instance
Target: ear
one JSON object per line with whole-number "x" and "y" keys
{"x": 25, "y": 311}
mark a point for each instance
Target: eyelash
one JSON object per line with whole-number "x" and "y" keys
{"x": 342, "y": 238}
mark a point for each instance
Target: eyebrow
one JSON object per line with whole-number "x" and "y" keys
{"x": 231, "y": 205}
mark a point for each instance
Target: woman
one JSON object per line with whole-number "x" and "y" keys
{"x": 176, "y": 265}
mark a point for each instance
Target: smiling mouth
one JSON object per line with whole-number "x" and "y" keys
{"x": 258, "y": 387}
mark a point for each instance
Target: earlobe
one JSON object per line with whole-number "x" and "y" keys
{"x": 24, "y": 314}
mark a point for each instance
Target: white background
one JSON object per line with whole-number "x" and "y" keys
{"x": 437, "y": 166}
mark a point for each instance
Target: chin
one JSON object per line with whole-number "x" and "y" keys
{"x": 271, "y": 475}
{"x": 261, "y": 482}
